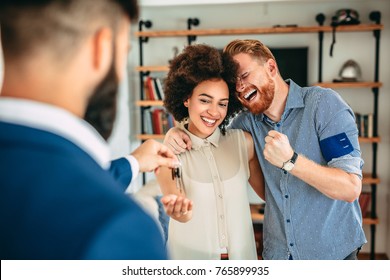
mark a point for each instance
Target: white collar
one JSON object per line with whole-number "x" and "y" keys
{"x": 198, "y": 142}
{"x": 58, "y": 121}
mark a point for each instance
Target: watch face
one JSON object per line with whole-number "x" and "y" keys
{"x": 288, "y": 166}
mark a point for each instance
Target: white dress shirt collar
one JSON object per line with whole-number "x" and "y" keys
{"x": 58, "y": 121}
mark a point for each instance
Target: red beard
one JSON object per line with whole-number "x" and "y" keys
{"x": 267, "y": 93}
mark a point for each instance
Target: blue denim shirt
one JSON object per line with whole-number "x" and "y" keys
{"x": 300, "y": 221}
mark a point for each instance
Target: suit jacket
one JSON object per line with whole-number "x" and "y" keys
{"x": 56, "y": 202}
{"x": 120, "y": 169}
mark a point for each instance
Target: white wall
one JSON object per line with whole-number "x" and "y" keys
{"x": 357, "y": 46}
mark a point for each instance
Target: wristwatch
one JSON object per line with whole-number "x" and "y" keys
{"x": 289, "y": 165}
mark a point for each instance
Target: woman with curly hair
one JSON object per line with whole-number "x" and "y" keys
{"x": 209, "y": 206}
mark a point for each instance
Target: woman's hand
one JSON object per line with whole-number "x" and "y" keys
{"x": 177, "y": 207}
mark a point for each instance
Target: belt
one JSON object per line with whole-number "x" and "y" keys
{"x": 224, "y": 256}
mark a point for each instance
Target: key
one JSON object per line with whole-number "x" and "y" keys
{"x": 176, "y": 174}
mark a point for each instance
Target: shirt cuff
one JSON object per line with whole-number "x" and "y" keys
{"x": 134, "y": 166}
{"x": 349, "y": 164}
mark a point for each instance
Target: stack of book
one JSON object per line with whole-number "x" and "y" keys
{"x": 365, "y": 124}
{"x": 153, "y": 89}
{"x": 157, "y": 121}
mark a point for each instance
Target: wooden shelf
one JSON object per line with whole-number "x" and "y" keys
{"x": 368, "y": 179}
{"x": 260, "y": 30}
{"x": 369, "y": 139}
{"x": 146, "y": 103}
{"x": 150, "y": 136}
{"x": 156, "y": 68}
{"x": 370, "y": 221}
{"x": 350, "y": 85}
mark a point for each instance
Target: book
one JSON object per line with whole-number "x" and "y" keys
{"x": 157, "y": 89}
{"x": 151, "y": 95}
{"x": 156, "y": 120}
{"x": 365, "y": 124}
{"x": 160, "y": 88}
{"x": 358, "y": 118}
{"x": 370, "y": 125}
{"x": 148, "y": 125}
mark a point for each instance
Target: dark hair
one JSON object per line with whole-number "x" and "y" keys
{"x": 196, "y": 64}
{"x": 130, "y": 7}
{"x": 58, "y": 24}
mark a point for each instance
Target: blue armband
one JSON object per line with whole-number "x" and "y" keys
{"x": 336, "y": 146}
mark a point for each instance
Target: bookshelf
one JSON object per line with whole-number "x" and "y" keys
{"x": 370, "y": 180}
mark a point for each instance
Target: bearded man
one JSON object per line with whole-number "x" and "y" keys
{"x": 62, "y": 64}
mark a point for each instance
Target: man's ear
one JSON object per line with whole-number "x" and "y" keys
{"x": 102, "y": 46}
{"x": 272, "y": 67}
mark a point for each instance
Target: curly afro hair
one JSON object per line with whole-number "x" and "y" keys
{"x": 196, "y": 64}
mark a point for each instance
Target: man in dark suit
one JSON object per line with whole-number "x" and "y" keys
{"x": 58, "y": 200}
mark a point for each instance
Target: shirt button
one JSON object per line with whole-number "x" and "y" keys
{"x": 288, "y": 220}
{"x": 220, "y": 195}
{"x": 278, "y": 125}
{"x": 223, "y": 236}
{"x": 291, "y": 244}
{"x": 221, "y": 217}
{"x": 286, "y": 196}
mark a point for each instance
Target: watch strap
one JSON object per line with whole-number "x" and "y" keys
{"x": 292, "y": 160}
{"x": 294, "y": 157}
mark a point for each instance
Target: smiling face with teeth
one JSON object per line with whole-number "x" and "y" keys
{"x": 255, "y": 87}
{"x": 207, "y": 107}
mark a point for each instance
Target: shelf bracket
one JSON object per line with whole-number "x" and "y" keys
{"x": 376, "y": 17}
{"x": 147, "y": 24}
{"x": 320, "y": 18}
{"x": 145, "y": 73}
{"x": 192, "y": 22}
{"x": 142, "y": 74}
